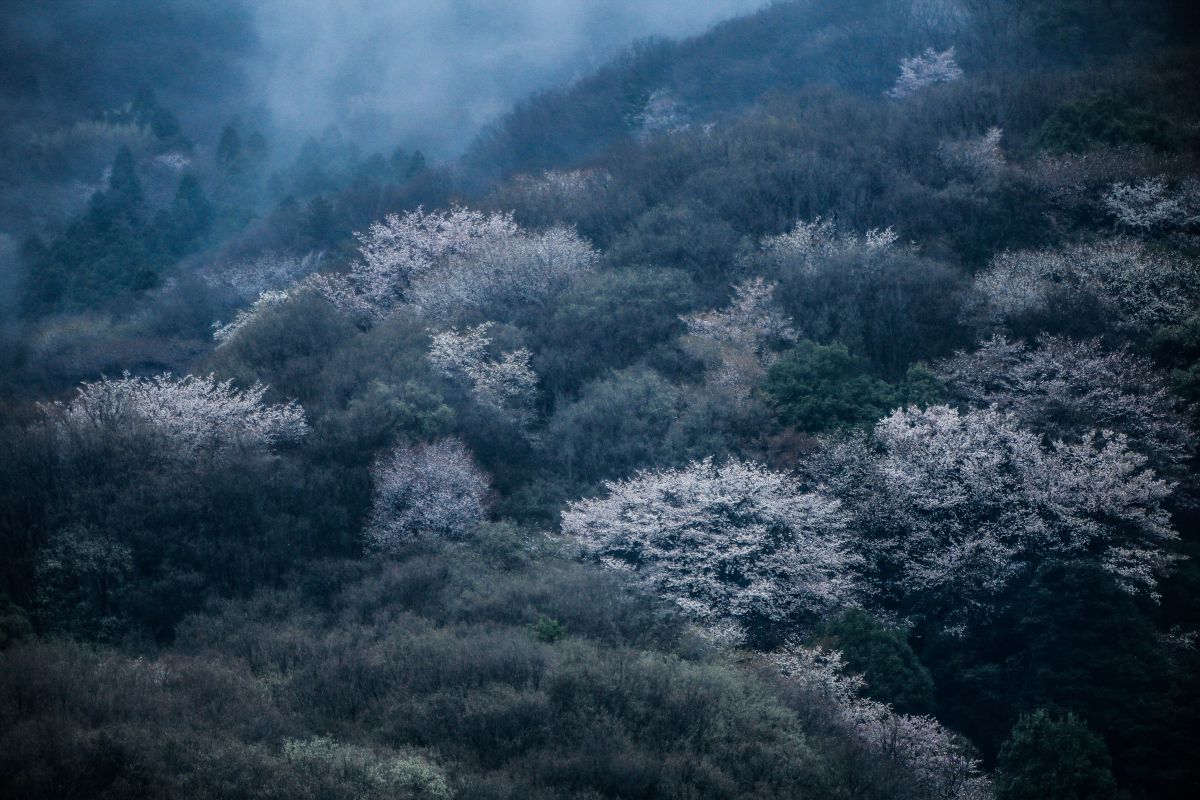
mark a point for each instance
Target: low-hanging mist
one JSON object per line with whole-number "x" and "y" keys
{"x": 430, "y": 75}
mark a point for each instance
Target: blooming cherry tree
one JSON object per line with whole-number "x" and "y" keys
{"x": 981, "y": 158}
{"x": 560, "y": 187}
{"x": 508, "y": 385}
{"x": 524, "y": 269}
{"x": 1143, "y": 289}
{"x": 662, "y": 113}
{"x": 740, "y": 340}
{"x": 810, "y": 242}
{"x": 750, "y": 322}
{"x": 195, "y": 415}
{"x": 1150, "y": 205}
{"x": 929, "y": 68}
{"x": 732, "y": 541}
{"x": 952, "y": 508}
{"x": 425, "y": 489}
{"x": 940, "y": 762}
{"x": 1063, "y": 389}
{"x": 441, "y": 262}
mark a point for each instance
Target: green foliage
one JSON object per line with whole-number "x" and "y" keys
{"x": 289, "y": 347}
{"x": 115, "y": 248}
{"x": 920, "y": 387}
{"x": 1072, "y": 640}
{"x": 124, "y": 187}
{"x": 507, "y": 546}
{"x": 1049, "y": 758}
{"x": 283, "y": 670}
{"x": 549, "y": 630}
{"x": 419, "y": 678}
{"x": 608, "y": 321}
{"x": 690, "y": 236}
{"x": 162, "y": 122}
{"x": 82, "y": 578}
{"x": 229, "y": 147}
{"x": 883, "y": 656}
{"x": 1103, "y": 120}
{"x": 382, "y": 412}
{"x": 892, "y": 308}
{"x": 182, "y": 229}
{"x": 618, "y": 425}
{"x": 822, "y": 387}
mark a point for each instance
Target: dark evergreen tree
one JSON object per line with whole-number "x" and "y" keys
{"x": 189, "y": 219}
{"x": 891, "y": 669}
{"x": 822, "y": 387}
{"x": 1049, "y": 758}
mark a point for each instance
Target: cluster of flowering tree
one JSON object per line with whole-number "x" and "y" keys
{"x": 425, "y": 489}
{"x": 732, "y": 542}
{"x": 663, "y": 112}
{"x": 740, "y": 342}
{"x": 1139, "y": 288}
{"x": 561, "y": 187}
{"x": 194, "y": 415}
{"x": 810, "y": 242}
{"x": 927, "y": 69}
{"x": 948, "y": 509}
{"x": 443, "y": 262}
{"x": 1063, "y": 389}
{"x": 507, "y": 385}
{"x": 1151, "y": 205}
{"x": 952, "y": 508}
{"x": 224, "y": 333}
{"x": 557, "y": 195}
{"x": 981, "y": 158}
{"x": 941, "y": 763}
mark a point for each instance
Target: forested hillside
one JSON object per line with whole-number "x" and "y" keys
{"x": 805, "y": 409}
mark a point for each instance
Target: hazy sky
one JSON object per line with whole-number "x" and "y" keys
{"x": 429, "y": 73}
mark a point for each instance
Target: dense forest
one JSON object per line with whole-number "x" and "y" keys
{"x": 806, "y": 409}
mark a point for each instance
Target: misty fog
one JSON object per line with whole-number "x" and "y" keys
{"x": 430, "y": 74}
{"x": 384, "y": 73}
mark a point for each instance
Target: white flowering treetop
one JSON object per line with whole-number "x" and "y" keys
{"x": 508, "y": 385}
{"x": 196, "y": 415}
{"x": 740, "y": 341}
{"x": 733, "y": 541}
{"x": 953, "y": 507}
{"x": 662, "y": 113}
{"x": 750, "y": 322}
{"x": 224, "y": 333}
{"x": 1064, "y": 388}
{"x": 526, "y": 269}
{"x": 810, "y": 242}
{"x": 940, "y": 762}
{"x": 1143, "y": 289}
{"x": 443, "y": 262}
{"x": 929, "y": 68}
{"x": 403, "y": 249}
{"x": 561, "y": 186}
{"x": 426, "y": 489}
{"x": 979, "y": 158}
{"x": 1150, "y": 205}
